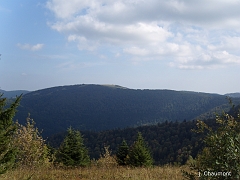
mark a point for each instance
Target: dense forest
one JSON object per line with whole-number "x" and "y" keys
{"x": 169, "y": 142}
{"x": 100, "y": 107}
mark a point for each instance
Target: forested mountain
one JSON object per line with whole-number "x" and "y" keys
{"x": 169, "y": 142}
{"x": 233, "y": 95}
{"x": 13, "y": 94}
{"x": 100, "y": 107}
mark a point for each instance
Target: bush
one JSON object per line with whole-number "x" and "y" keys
{"x": 106, "y": 160}
{"x": 221, "y": 155}
{"x": 32, "y": 150}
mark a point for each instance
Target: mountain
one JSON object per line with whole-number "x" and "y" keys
{"x": 12, "y": 94}
{"x": 168, "y": 142}
{"x": 102, "y": 107}
{"x": 233, "y": 95}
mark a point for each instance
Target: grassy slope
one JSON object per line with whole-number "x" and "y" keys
{"x": 104, "y": 173}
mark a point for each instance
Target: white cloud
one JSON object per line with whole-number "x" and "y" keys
{"x": 189, "y": 34}
{"x": 30, "y": 47}
{"x": 209, "y": 60}
{"x": 66, "y": 9}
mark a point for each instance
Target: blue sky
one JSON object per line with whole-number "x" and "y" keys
{"x": 141, "y": 44}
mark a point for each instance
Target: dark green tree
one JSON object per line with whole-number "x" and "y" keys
{"x": 122, "y": 153}
{"x": 7, "y": 129}
{"x": 72, "y": 151}
{"x": 139, "y": 155}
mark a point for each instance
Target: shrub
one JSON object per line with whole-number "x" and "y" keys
{"x": 222, "y": 150}
{"x": 32, "y": 150}
{"x": 106, "y": 160}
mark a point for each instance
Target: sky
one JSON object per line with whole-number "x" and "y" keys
{"x": 140, "y": 44}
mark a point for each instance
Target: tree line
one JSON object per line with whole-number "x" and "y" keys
{"x": 169, "y": 142}
{"x": 23, "y": 146}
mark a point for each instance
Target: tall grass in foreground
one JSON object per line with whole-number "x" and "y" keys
{"x": 95, "y": 172}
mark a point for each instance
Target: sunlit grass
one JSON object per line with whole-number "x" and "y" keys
{"x": 95, "y": 172}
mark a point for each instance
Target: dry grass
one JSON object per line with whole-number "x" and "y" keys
{"x": 96, "y": 172}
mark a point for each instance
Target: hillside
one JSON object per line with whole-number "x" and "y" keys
{"x": 13, "y": 94}
{"x": 169, "y": 142}
{"x": 102, "y": 107}
{"x": 233, "y": 95}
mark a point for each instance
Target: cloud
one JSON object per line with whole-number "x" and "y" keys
{"x": 30, "y": 47}
{"x": 188, "y": 34}
{"x": 209, "y": 60}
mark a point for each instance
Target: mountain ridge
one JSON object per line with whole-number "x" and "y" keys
{"x": 233, "y": 95}
{"x": 13, "y": 94}
{"x": 100, "y": 107}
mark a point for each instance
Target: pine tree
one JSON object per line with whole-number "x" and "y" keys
{"x": 139, "y": 154}
{"x": 7, "y": 129}
{"x": 72, "y": 151}
{"x": 122, "y": 153}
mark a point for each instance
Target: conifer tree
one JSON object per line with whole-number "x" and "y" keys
{"x": 72, "y": 151}
{"x": 122, "y": 153}
{"x": 139, "y": 154}
{"x": 7, "y": 129}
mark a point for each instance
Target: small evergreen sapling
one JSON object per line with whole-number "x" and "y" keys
{"x": 139, "y": 154}
{"x": 122, "y": 154}
{"x": 72, "y": 151}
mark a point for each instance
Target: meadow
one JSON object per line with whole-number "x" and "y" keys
{"x": 95, "y": 172}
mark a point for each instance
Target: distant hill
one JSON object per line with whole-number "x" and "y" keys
{"x": 13, "y": 94}
{"x": 102, "y": 107}
{"x": 169, "y": 142}
{"x": 233, "y": 95}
